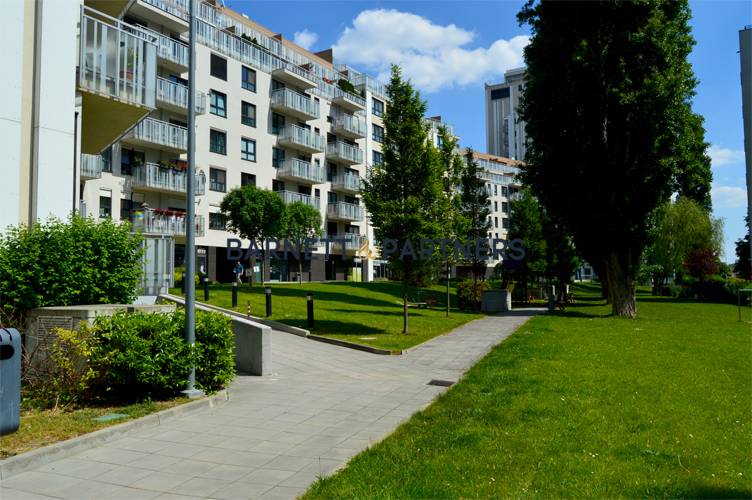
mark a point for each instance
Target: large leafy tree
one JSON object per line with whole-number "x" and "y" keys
{"x": 526, "y": 224}
{"x": 743, "y": 266}
{"x": 475, "y": 209}
{"x": 303, "y": 222}
{"x": 609, "y": 123}
{"x": 402, "y": 192}
{"x": 254, "y": 214}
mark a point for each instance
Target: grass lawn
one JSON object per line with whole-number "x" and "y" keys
{"x": 43, "y": 427}
{"x": 364, "y": 313}
{"x": 580, "y": 404}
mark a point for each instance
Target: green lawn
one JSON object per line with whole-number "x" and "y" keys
{"x": 579, "y": 404}
{"x": 364, "y": 313}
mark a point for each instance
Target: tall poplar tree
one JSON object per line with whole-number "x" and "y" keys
{"x": 475, "y": 208}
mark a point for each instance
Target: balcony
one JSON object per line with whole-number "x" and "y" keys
{"x": 347, "y": 181}
{"x": 172, "y": 14}
{"x": 292, "y": 75}
{"x": 349, "y": 126}
{"x": 302, "y": 139}
{"x": 172, "y": 54}
{"x": 344, "y": 153}
{"x": 160, "y": 178}
{"x": 117, "y": 78}
{"x": 295, "y": 104}
{"x": 300, "y": 171}
{"x": 174, "y": 96}
{"x": 167, "y": 222}
{"x": 344, "y": 211}
{"x": 353, "y": 242}
{"x": 91, "y": 166}
{"x": 292, "y": 197}
{"x": 151, "y": 132}
{"x": 348, "y": 101}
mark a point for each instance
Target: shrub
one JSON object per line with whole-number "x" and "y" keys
{"x": 469, "y": 294}
{"x": 59, "y": 263}
{"x": 215, "y": 351}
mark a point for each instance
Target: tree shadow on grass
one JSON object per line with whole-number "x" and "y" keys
{"x": 704, "y": 491}
{"x": 285, "y": 291}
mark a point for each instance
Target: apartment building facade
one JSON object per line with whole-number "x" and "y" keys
{"x": 505, "y": 132}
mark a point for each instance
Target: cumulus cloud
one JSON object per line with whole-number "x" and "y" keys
{"x": 431, "y": 55}
{"x": 724, "y": 156}
{"x": 729, "y": 197}
{"x": 305, "y": 38}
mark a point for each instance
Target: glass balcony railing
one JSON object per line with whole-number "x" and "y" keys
{"x": 178, "y": 8}
{"x": 303, "y": 138}
{"x": 347, "y": 181}
{"x": 344, "y": 152}
{"x": 168, "y": 48}
{"x": 352, "y": 241}
{"x": 292, "y": 197}
{"x": 344, "y": 211}
{"x": 168, "y": 222}
{"x": 91, "y": 166}
{"x": 177, "y": 94}
{"x": 351, "y": 125}
{"x": 116, "y": 59}
{"x": 299, "y": 104}
{"x": 162, "y": 133}
{"x": 293, "y": 168}
{"x": 164, "y": 178}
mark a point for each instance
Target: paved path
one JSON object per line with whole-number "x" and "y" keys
{"x": 277, "y": 434}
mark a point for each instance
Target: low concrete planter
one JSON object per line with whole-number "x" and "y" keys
{"x": 496, "y": 301}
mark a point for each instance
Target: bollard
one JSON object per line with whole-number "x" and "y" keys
{"x": 309, "y": 299}
{"x": 268, "y": 302}
{"x": 182, "y": 284}
{"x": 248, "y": 310}
{"x": 206, "y": 289}
{"x": 551, "y": 293}
{"x": 234, "y": 294}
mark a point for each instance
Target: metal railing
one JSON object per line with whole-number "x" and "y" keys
{"x": 167, "y": 48}
{"x": 163, "y": 133}
{"x": 155, "y": 176}
{"x": 354, "y": 124}
{"x": 301, "y": 169}
{"x": 348, "y": 96}
{"x": 292, "y": 197}
{"x": 116, "y": 59}
{"x": 177, "y": 94}
{"x": 343, "y": 210}
{"x": 346, "y": 180}
{"x": 303, "y": 137}
{"x": 297, "y": 101}
{"x": 345, "y": 151}
{"x": 352, "y": 241}
{"x": 178, "y": 8}
{"x": 91, "y": 166}
{"x": 167, "y": 222}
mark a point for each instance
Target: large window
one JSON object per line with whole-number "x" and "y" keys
{"x": 378, "y": 133}
{"x": 248, "y": 78}
{"x": 248, "y": 114}
{"x": 218, "y": 103}
{"x": 129, "y": 159}
{"x": 217, "y": 142}
{"x": 247, "y": 149}
{"x": 378, "y": 158}
{"x": 247, "y": 179}
{"x": 278, "y": 157}
{"x": 217, "y": 180}
{"x": 377, "y": 107}
{"x": 505, "y": 207}
{"x": 126, "y": 206}
{"x": 218, "y": 67}
{"x": 107, "y": 160}
{"x": 217, "y": 221}
{"x": 105, "y": 207}
{"x": 278, "y": 123}
{"x": 505, "y": 223}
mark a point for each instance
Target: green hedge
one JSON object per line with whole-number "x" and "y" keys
{"x": 469, "y": 294}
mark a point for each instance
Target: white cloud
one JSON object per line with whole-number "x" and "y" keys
{"x": 724, "y": 156}
{"x": 729, "y": 197}
{"x": 431, "y": 55}
{"x": 305, "y": 38}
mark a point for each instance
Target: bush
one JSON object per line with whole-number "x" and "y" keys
{"x": 469, "y": 294}
{"x": 713, "y": 288}
{"x": 69, "y": 263}
{"x": 215, "y": 351}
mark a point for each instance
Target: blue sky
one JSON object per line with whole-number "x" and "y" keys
{"x": 451, "y": 48}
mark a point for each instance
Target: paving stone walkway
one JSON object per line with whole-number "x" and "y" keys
{"x": 277, "y": 434}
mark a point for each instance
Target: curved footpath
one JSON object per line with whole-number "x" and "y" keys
{"x": 276, "y": 434}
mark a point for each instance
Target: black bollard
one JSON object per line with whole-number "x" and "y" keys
{"x": 206, "y": 289}
{"x": 268, "y": 302}
{"x": 309, "y": 299}
{"x": 234, "y": 294}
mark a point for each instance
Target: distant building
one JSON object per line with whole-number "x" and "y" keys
{"x": 745, "y": 56}
{"x": 505, "y": 133}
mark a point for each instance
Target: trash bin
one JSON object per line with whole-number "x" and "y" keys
{"x": 10, "y": 380}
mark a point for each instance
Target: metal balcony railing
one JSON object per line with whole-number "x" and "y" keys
{"x": 351, "y": 100}
{"x": 347, "y": 180}
{"x": 301, "y": 169}
{"x": 292, "y": 197}
{"x": 155, "y": 176}
{"x": 178, "y": 8}
{"x": 343, "y": 151}
{"x": 168, "y": 222}
{"x": 177, "y": 94}
{"x": 168, "y": 48}
{"x": 302, "y": 104}
{"x": 91, "y": 166}
{"x": 162, "y": 133}
{"x": 301, "y": 136}
{"x": 352, "y": 124}
{"x": 116, "y": 59}
{"x": 352, "y": 241}
{"x": 343, "y": 210}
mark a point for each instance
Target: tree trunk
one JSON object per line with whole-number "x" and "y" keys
{"x": 447, "y": 283}
{"x": 621, "y": 286}
{"x": 253, "y": 271}
{"x": 300, "y": 264}
{"x": 404, "y": 308}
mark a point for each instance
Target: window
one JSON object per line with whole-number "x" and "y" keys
{"x": 107, "y": 160}
{"x": 378, "y": 158}
{"x": 377, "y": 107}
{"x": 248, "y": 114}
{"x": 126, "y": 206}
{"x": 496, "y": 222}
{"x": 505, "y": 223}
{"x": 218, "y": 67}
{"x": 278, "y": 157}
{"x": 217, "y": 221}
{"x": 278, "y": 123}
{"x": 247, "y": 149}
{"x": 105, "y": 207}
{"x": 130, "y": 159}
{"x": 217, "y": 142}
{"x": 247, "y": 179}
{"x": 505, "y": 207}
{"x": 504, "y": 191}
{"x": 496, "y": 189}
{"x": 218, "y": 103}
{"x": 378, "y": 133}
{"x": 331, "y": 172}
{"x": 217, "y": 180}
{"x": 248, "y": 78}
{"x": 496, "y": 206}
{"x": 278, "y": 185}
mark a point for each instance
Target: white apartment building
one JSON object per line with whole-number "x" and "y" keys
{"x": 505, "y": 133}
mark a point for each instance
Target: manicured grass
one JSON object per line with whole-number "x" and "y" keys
{"x": 364, "y": 313}
{"x": 580, "y": 404}
{"x": 43, "y": 427}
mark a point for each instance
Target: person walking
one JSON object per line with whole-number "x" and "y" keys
{"x": 238, "y": 272}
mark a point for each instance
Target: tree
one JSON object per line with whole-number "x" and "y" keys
{"x": 402, "y": 192}
{"x": 303, "y": 222}
{"x": 526, "y": 224}
{"x": 611, "y": 133}
{"x": 561, "y": 256}
{"x": 254, "y": 214}
{"x": 475, "y": 208}
{"x": 743, "y": 266}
